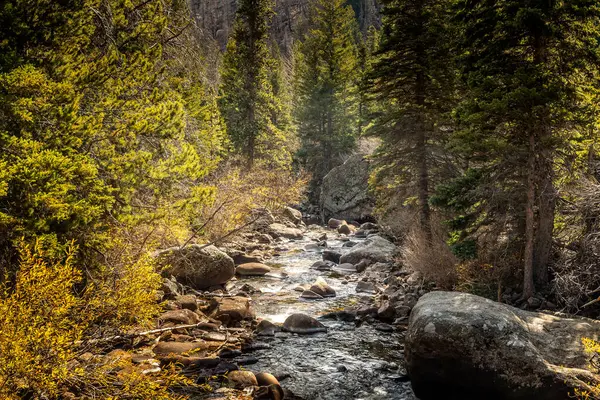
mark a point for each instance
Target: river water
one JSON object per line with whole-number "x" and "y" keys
{"x": 347, "y": 362}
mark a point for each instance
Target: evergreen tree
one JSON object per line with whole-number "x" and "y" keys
{"x": 249, "y": 103}
{"x": 326, "y": 79}
{"x": 95, "y": 128}
{"x": 412, "y": 80}
{"x": 530, "y": 68}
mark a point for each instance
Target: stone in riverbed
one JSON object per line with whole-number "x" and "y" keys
{"x": 197, "y": 266}
{"x": 231, "y": 310}
{"x": 322, "y": 288}
{"x": 310, "y": 295}
{"x": 323, "y": 265}
{"x": 467, "y": 347}
{"x": 241, "y": 379}
{"x": 303, "y": 324}
{"x": 365, "y": 287}
{"x": 374, "y": 249}
{"x": 335, "y": 223}
{"x": 267, "y": 328}
{"x": 344, "y": 229}
{"x": 332, "y": 255}
{"x": 280, "y": 230}
{"x": 252, "y": 269}
{"x": 166, "y": 348}
{"x": 187, "y": 301}
{"x": 184, "y": 317}
{"x": 293, "y": 215}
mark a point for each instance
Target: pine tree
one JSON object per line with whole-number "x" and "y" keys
{"x": 94, "y": 129}
{"x": 412, "y": 80}
{"x": 248, "y": 100}
{"x": 530, "y": 68}
{"x": 326, "y": 79}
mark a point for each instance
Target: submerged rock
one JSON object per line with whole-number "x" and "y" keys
{"x": 197, "y": 266}
{"x": 467, "y": 347}
{"x": 303, "y": 324}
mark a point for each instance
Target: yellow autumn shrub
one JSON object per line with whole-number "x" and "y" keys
{"x": 590, "y": 391}
{"x": 45, "y": 327}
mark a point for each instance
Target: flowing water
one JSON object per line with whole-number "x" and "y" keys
{"x": 347, "y": 362}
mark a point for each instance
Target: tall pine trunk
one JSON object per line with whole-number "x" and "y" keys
{"x": 422, "y": 129}
{"x": 545, "y": 226}
{"x": 528, "y": 286}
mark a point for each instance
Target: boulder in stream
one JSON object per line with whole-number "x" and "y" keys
{"x": 231, "y": 310}
{"x": 374, "y": 249}
{"x": 461, "y": 346}
{"x": 303, "y": 324}
{"x": 199, "y": 267}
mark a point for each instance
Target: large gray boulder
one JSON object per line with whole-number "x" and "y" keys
{"x": 374, "y": 249}
{"x": 197, "y": 266}
{"x": 461, "y": 346}
{"x": 345, "y": 191}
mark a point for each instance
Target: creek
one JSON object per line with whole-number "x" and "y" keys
{"x": 351, "y": 361}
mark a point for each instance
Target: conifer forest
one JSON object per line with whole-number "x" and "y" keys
{"x": 300, "y": 199}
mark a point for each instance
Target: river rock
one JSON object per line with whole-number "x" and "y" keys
{"x": 332, "y": 255}
{"x": 293, "y": 215}
{"x": 310, "y": 295}
{"x": 231, "y": 310}
{"x": 241, "y": 379}
{"x": 266, "y": 328}
{"x": 344, "y": 230}
{"x": 369, "y": 226}
{"x": 365, "y": 287}
{"x": 323, "y": 265}
{"x": 345, "y": 268}
{"x": 280, "y": 230}
{"x": 374, "y": 249}
{"x": 335, "y": 223}
{"x": 187, "y": 301}
{"x": 252, "y": 269}
{"x": 345, "y": 190}
{"x": 466, "y": 347}
{"x": 197, "y": 266}
{"x": 185, "y": 317}
{"x": 349, "y": 244}
{"x": 321, "y": 288}
{"x": 166, "y": 348}
{"x": 303, "y": 324}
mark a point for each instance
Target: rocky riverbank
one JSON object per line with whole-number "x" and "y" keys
{"x": 318, "y": 310}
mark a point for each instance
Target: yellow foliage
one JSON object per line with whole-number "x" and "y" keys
{"x": 37, "y": 328}
{"x": 590, "y": 391}
{"x": 239, "y": 191}
{"x": 43, "y": 323}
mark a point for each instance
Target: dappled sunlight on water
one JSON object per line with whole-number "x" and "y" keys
{"x": 347, "y": 362}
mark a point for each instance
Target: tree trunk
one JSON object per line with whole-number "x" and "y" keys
{"x": 545, "y": 228}
{"x": 528, "y": 286}
{"x": 421, "y": 152}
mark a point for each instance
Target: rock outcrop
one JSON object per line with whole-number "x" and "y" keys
{"x": 345, "y": 191}
{"x": 216, "y": 17}
{"x": 197, "y": 266}
{"x": 461, "y": 346}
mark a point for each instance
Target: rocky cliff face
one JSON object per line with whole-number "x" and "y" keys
{"x": 216, "y": 18}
